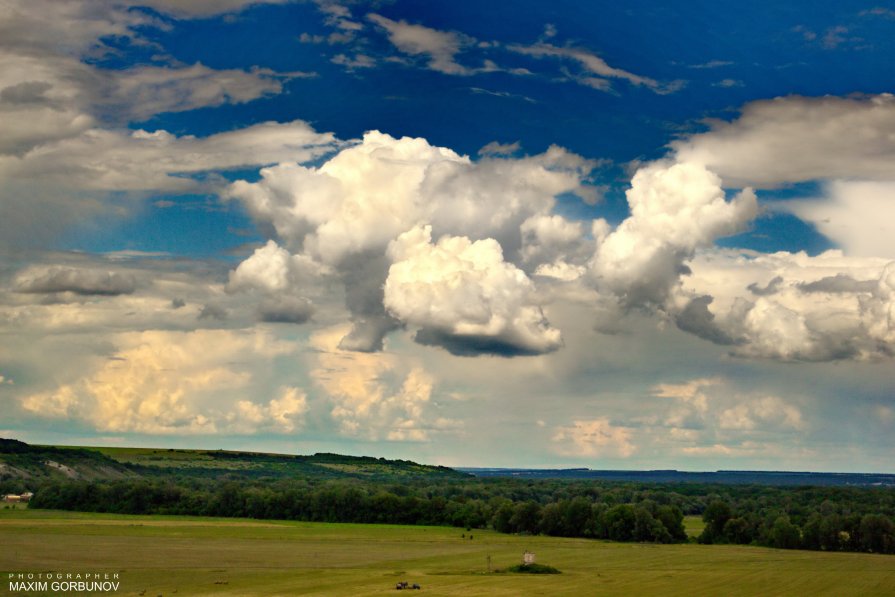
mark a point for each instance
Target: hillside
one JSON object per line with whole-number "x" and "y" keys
{"x": 27, "y": 463}
{"x": 23, "y": 462}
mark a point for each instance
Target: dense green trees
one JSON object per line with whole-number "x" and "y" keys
{"x": 830, "y": 518}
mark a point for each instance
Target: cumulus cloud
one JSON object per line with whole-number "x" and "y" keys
{"x": 358, "y": 200}
{"x": 86, "y": 282}
{"x": 794, "y": 138}
{"x": 174, "y": 382}
{"x": 465, "y": 290}
{"x": 272, "y": 269}
{"x": 284, "y": 414}
{"x": 554, "y": 241}
{"x": 344, "y": 214}
{"x": 368, "y": 194}
{"x": 675, "y": 209}
{"x": 713, "y": 416}
{"x": 765, "y": 412}
{"x": 593, "y": 438}
{"x": 697, "y": 319}
{"x": 375, "y": 395}
{"x": 825, "y": 307}
{"x": 786, "y": 306}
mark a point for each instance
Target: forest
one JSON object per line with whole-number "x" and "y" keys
{"x": 817, "y": 518}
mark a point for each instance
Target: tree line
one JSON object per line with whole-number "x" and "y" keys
{"x": 821, "y": 518}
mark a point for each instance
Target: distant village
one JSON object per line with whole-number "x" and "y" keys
{"x": 12, "y": 498}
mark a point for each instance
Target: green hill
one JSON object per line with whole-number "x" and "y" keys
{"x": 23, "y": 462}
{"x": 26, "y": 463}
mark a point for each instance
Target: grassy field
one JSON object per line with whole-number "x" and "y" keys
{"x": 693, "y": 525}
{"x": 204, "y": 556}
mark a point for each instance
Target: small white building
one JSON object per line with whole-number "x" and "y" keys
{"x": 528, "y": 558}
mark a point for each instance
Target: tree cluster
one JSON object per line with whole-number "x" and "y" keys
{"x": 832, "y": 527}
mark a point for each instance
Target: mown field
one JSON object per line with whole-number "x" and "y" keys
{"x": 205, "y": 556}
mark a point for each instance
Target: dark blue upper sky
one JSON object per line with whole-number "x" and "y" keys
{"x": 717, "y": 55}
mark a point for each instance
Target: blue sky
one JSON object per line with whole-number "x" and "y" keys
{"x": 638, "y": 235}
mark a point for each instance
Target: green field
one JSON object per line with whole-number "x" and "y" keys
{"x": 206, "y": 556}
{"x": 693, "y": 525}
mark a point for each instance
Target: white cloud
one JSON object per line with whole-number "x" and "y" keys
{"x": 466, "y": 291}
{"x": 143, "y": 91}
{"x": 765, "y": 412}
{"x": 370, "y": 193}
{"x": 440, "y": 47}
{"x": 594, "y": 65}
{"x": 63, "y": 135}
{"x": 272, "y": 269}
{"x": 74, "y": 293}
{"x": 284, "y": 414}
{"x": 73, "y": 27}
{"x": 359, "y": 61}
{"x": 711, "y": 416}
{"x": 690, "y": 392}
{"x": 675, "y": 209}
{"x": 692, "y": 402}
{"x": 344, "y": 213}
{"x": 46, "y": 280}
{"x": 593, "y": 438}
{"x": 174, "y": 382}
{"x": 115, "y": 160}
{"x": 792, "y": 139}
{"x": 729, "y": 83}
{"x": 67, "y": 181}
{"x": 358, "y": 200}
{"x": 201, "y": 8}
{"x": 375, "y": 395}
{"x": 552, "y": 239}
{"x": 286, "y": 411}
{"x": 791, "y": 306}
{"x": 494, "y": 148}
{"x": 49, "y": 92}
{"x": 859, "y": 216}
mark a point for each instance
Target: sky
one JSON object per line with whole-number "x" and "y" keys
{"x": 639, "y": 235}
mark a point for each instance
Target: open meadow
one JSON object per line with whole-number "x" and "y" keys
{"x": 205, "y": 556}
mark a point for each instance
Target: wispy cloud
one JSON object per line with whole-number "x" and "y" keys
{"x": 596, "y": 72}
